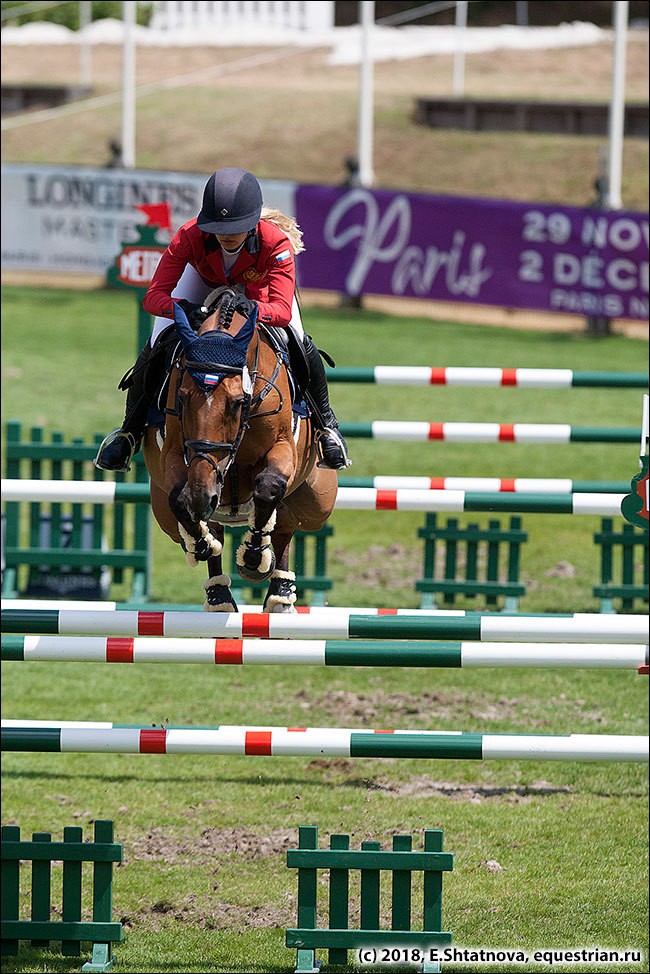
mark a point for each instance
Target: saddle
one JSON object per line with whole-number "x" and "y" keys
{"x": 285, "y": 342}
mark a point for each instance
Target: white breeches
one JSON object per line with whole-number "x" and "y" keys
{"x": 192, "y": 287}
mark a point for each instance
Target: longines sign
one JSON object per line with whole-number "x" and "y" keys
{"x": 74, "y": 219}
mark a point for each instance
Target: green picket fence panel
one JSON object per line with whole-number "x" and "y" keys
{"x": 401, "y": 861}
{"x": 71, "y": 930}
{"x": 618, "y": 549}
{"x": 73, "y": 550}
{"x": 473, "y": 552}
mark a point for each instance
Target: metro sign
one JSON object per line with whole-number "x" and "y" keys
{"x": 136, "y": 265}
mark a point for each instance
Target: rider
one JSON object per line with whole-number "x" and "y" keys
{"x": 227, "y": 244}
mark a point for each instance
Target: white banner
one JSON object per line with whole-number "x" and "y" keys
{"x": 74, "y": 219}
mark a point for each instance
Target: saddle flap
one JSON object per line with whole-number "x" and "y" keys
{"x": 287, "y": 342}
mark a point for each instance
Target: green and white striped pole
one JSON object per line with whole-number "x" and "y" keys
{"x": 322, "y": 652}
{"x": 108, "y": 738}
{"x": 488, "y": 627}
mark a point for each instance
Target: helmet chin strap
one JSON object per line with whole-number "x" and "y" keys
{"x": 235, "y": 251}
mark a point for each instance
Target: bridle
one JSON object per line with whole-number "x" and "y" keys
{"x": 202, "y": 449}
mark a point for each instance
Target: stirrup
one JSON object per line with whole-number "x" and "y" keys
{"x": 319, "y": 435}
{"x": 133, "y": 446}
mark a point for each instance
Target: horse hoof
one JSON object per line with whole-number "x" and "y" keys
{"x": 255, "y": 557}
{"x": 218, "y": 597}
{"x": 281, "y": 594}
{"x": 255, "y": 575}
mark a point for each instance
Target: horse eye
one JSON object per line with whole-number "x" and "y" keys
{"x": 236, "y": 405}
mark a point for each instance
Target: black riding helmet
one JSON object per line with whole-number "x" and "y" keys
{"x": 232, "y": 202}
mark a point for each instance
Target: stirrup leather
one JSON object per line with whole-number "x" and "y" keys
{"x": 133, "y": 446}
{"x": 319, "y": 435}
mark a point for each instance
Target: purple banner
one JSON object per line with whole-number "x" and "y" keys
{"x": 445, "y": 248}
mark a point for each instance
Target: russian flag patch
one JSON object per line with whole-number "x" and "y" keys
{"x": 285, "y": 255}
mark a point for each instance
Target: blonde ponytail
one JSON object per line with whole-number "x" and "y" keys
{"x": 288, "y": 225}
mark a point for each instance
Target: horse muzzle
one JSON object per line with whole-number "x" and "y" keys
{"x": 200, "y": 497}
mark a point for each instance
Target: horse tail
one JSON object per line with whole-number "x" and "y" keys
{"x": 288, "y": 225}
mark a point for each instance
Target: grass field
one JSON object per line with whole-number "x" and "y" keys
{"x": 204, "y": 886}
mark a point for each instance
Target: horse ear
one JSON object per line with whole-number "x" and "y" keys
{"x": 183, "y": 327}
{"x": 245, "y": 333}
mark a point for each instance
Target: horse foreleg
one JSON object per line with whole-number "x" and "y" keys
{"x": 281, "y": 594}
{"x": 218, "y": 597}
{"x": 255, "y": 557}
{"x": 196, "y": 539}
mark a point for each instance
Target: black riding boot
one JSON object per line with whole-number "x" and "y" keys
{"x": 331, "y": 445}
{"x": 142, "y": 383}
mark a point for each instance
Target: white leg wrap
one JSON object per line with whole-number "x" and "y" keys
{"x": 190, "y": 542}
{"x": 278, "y": 573}
{"x": 218, "y": 580}
{"x": 222, "y": 607}
{"x": 267, "y": 555}
{"x": 207, "y": 535}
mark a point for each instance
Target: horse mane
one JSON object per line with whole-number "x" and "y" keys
{"x": 288, "y": 225}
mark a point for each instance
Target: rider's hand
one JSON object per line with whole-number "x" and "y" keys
{"x": 244, "y": 306}
{"x": 193, "y": 313}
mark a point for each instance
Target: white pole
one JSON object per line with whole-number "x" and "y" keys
{"x": 128, "y": 85}
{"x": 85, "y": 49}
{"x": 366, "y": 109}
{"x": 617, "y": 106}
{"x": 459, "y": 52}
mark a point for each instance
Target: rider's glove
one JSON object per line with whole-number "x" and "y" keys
{"x": 193, "y": 312}
{"x": 244, "y": 306}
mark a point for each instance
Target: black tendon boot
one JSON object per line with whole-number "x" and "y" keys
{"x": 142, "y": 383}
{"x": 331, "y": 445}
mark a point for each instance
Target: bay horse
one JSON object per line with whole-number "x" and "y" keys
{"x": 234, "y": 451}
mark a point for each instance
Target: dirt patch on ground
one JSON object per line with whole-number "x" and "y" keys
{"x": 158, "y": 844}
{"x": 348, "y": 708}
{"x": 207, "y": 914}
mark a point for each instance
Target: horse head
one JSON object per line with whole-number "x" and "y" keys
{"x": 213, "y": 399}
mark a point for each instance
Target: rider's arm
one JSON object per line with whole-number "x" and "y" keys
{"x": 158, "y": 299}
{"x": 275, "y": 308}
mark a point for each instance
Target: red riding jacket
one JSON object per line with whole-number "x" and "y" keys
{"x": 269, "y": 273}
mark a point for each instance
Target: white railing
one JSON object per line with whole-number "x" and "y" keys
{"x": 293, "y": 14}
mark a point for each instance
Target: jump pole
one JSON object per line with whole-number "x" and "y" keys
{"x": 516, "y": 485}
{"x": 319, "y": 652}
{"x": 347, "y": 498}
{"x": 534, "y": 433}
{"x": 93, "y": 738}
{"x": 108, "y": 606}
{"x": 241, "y": 625}
{"x": 409, "y": 375}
